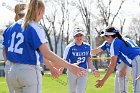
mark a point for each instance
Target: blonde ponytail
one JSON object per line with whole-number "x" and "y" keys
{"x": 31, "y": 13}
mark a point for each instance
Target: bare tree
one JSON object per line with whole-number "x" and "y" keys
{"x": 106, "y": 17}
{"x": 134, "y": 29}
{"x": 62, "y": 22}
{"x": 64, "y": 12}
{"x": 85, "y": 13}
{"x": 54, "y": 32}
{"x": 57, "y": 21}
{"x": 48, "y": 32}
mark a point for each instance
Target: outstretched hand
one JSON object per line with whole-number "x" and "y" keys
{"x": 55, "y": 72}
{"x": 99, "y": 83}
{"x": 61, "y": 70}
{"x": 137, "y": 77}
{"x": 78, "y": 71}
{"x": 76, "y": 63}
{"x": 123, "y": 72}
{"x": 96, "y": 73}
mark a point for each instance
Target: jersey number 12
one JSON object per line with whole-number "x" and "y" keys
{"x": 14, "y": 47}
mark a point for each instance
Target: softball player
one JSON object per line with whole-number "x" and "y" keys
{"x": 78, "y": 52}
{"x": 25, "y": 45}
{"x": 121, "y": 83}
{"x": 19, "y": 11}
{"x": 123, "y": 71}
{"x": 120, "y": 47}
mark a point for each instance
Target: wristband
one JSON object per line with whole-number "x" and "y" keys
{"x": 94, "y": 70}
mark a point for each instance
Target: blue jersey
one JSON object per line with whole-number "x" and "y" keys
{"x": 126, "y": 60}
{"x": 22, "y": 46}
{"x": 106, "y": 46}
{"x": 74, "y": 53}
{"x": 119, "y": 46}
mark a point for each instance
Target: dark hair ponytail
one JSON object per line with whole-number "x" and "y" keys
{"x": 120, "y": 37}
{"x": 117, "y": 34}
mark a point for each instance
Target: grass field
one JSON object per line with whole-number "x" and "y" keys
{"x": 51, "y": 85}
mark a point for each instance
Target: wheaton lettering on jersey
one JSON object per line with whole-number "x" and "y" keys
{"x": 80, "y": 53}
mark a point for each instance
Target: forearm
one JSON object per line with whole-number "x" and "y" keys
{"x": 108, "y": 73}
{"x": 91, "y": 66}
{"x": 48, "y": 63}
{"x": 57, "y": 60}
{"x": 4, "y": 55}
{"x": 96, "y": 51}
{"x": 52, "y": 57}
{"x": 111, "y": 68}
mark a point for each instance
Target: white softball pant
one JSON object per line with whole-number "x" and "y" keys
{"x": 121, "y": 83}
{"x": 6, "y": 70}
{"x": 136, "y": 73}
{"x": 25, "y": 78}
{"x": 77, "y": 84}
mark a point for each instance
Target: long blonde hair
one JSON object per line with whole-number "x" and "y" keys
{"x": 19, "y": 11}
{"x": 31, "y": 14}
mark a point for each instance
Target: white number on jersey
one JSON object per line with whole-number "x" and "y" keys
{"x": 16, "y": 49}
{"x": 81, "y": 59}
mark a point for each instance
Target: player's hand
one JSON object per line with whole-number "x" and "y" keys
{"x": 77, "y": 63}
{"x": 55, "y": 72}
{"x": 99, "y": 83}
{"x": 61, "y": 70}
{"x": 123, "y": 72}
{"x": 138, "y": 77}
{"x": 96, "y": 73}
{"x": 78, "y": 71}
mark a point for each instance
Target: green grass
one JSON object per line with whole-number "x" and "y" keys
{"x": 51, "y": 85}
